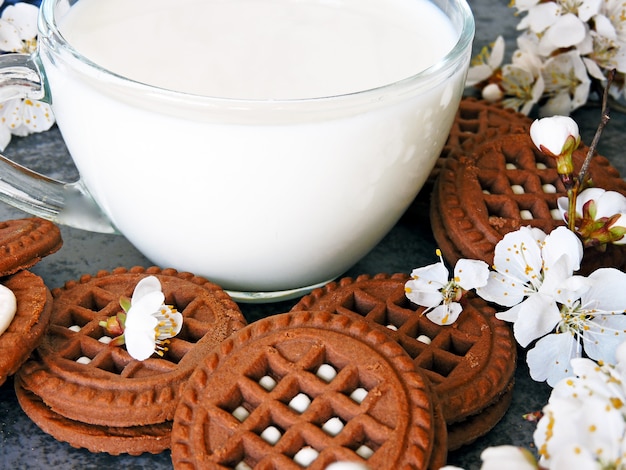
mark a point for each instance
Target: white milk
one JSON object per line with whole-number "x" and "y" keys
{"x": 261, "y": 49}
{"x": 258, "y": 196}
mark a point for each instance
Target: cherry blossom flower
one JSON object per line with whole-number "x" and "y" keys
{"x": 564, "y": 46}
{"x": 567, "y": 84}
{"x": 18, "y": 33}
{"x": 583, "y": 423}
{"x": 521, "y": 88}
{"x": 431, "y": 287}
{"x": 529, "y": 266}
{"x": 147, "y": 324}
{"x": 591, "y": 320}
{"x": 600, "y": 216}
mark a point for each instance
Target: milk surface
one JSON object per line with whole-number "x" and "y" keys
{"x": 260, "y": 49}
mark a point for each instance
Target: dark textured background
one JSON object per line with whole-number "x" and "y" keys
{"x": 410, "y": 244}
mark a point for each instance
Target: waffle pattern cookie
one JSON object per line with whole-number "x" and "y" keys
{"x": 471, "y": 363}
{"x": 24, "y": 242}
{"x": 503, "y": 184}
{"x": 84, "y": 381}
{"x": 305, "y": 389}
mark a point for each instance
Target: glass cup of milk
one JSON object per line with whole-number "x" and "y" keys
{"x": 267, "y": 145}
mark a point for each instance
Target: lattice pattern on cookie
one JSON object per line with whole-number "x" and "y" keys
{"x": 520, "y": 184}
{"x": 323, "y": 407}
{"x": 76, "y": 332}
{"x": 477, "y": 121}
{"x": 82, "y": 377}
{"x": 469, "y": 363}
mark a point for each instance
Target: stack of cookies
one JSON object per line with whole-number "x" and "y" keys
{"x": 469, "y": 364}
{"x": 23, "y": 242}
{"x": 81, "y": 390}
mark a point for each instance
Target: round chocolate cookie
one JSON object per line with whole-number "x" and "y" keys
{"x": 34, "y": 307}
{"x": 305, "y": 389}
{"x": 471, "y": 363}
{"x": 81, "y": 378}
{"x": 24, "y": 242}
{"x": 503, "y": 184}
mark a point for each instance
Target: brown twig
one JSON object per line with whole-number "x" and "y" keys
{"x": 604, "y": 119}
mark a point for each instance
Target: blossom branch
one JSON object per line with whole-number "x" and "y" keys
{"x": 604, "y": 119}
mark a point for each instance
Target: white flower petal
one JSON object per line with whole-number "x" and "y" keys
{"x": 23, "y": 17}
{"x": 589, "y": 8}
{"x": 610, "y": 203}
{"x": 470, "y": 273}
{"x": 538, "y": 315}
{"x": 37, "y": 116}
{"x": 605, "y": 333}
{"x": 540, "y": 17}
{"x": 608, "y": 290}
{"x": 502, "y": 290}
{"x": 574, "y": 456}
{"x": 567, "y": 31}
{"x": 550, "y": 359}
{"x": 445, "y": 314}
{"x": 424, "y": 295}
{"x": 10, "y": 40}
{"x": 435, "y": 273}
{"x": 140, "y": 344}
{"x": 518, "y": 254}
{"x": 511, "y": 315}
{"x": 145, "y": 286}
{"x": 477, "y": 74}
{"x": 562, "y": 246}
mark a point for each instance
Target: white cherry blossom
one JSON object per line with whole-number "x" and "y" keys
{"x": 583, "y": 423}
{"x": 431, "y": 287}
{"x": 522, "y": 89}
{"x": 529, "y": 266}
{"x": 149, "y": 322}
{"x": 18, "y": 33}
{"x": 591, "y": 319}
{"x": 567, "y": 84}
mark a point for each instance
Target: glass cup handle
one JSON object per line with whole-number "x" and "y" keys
{"x": 64, "y": 203}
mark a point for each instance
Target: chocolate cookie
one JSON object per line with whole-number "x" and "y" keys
{"x": 24, "y": 242}
{"x": 83, "y": 379}
{"x": 501, "y": 185}
{"x": 34, "y": 307}
{"x": 471, "y": 363}
{"x": 305, "y": 389}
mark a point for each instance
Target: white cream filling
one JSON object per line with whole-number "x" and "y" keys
{"x": 8, "y": 307}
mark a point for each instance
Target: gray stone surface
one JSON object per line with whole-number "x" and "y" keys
{"x": 410, "y": 244}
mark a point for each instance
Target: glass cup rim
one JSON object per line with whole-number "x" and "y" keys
{"x": 49, "y": 31}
